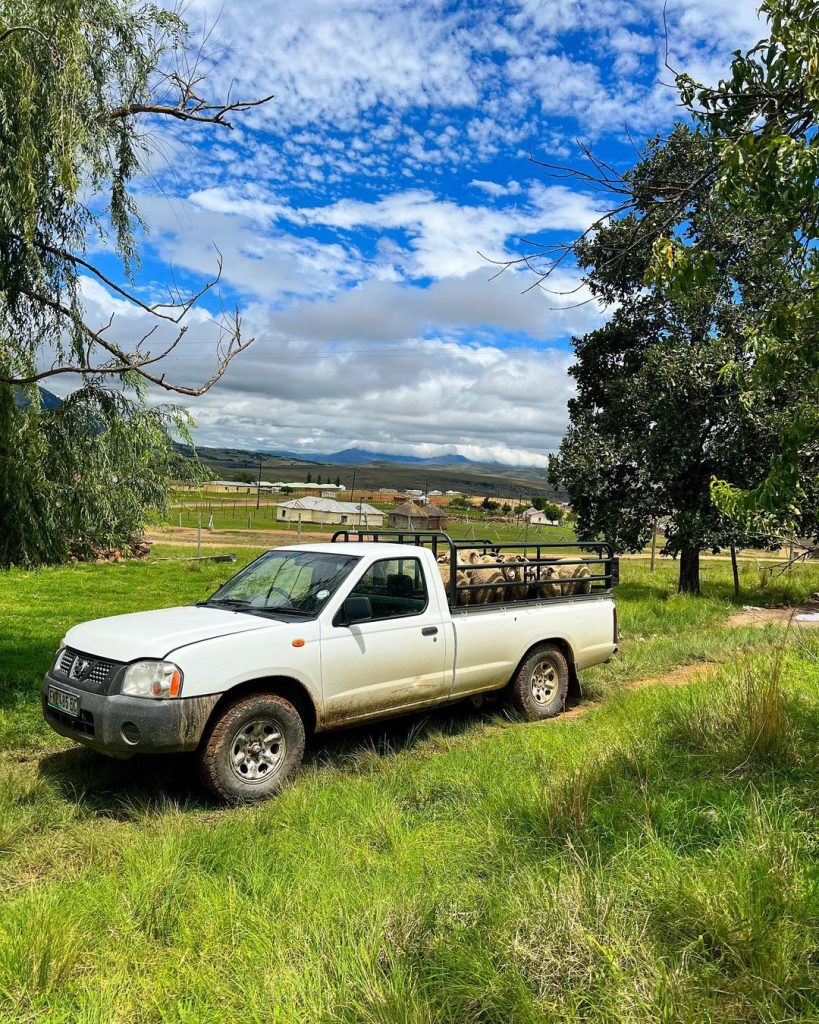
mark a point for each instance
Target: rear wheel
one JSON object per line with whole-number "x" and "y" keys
{"x": 540, "y": 685}
{"x": 253, "y": 750}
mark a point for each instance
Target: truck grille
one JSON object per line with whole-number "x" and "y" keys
{"x": 84, "y": 671}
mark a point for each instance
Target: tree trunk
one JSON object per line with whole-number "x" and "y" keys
{"x": 735, "y": 570}
{"x": 689, "y": 571}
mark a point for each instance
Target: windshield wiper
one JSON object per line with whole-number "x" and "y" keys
{"x": 228, "y": 602}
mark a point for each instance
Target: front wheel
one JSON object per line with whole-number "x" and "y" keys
{"x": 253, "y": 749}
{"x": 539, "y": 687}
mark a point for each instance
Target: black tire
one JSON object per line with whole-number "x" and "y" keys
{"x": 541, "y": 682}
{"x": 253, "y": 749}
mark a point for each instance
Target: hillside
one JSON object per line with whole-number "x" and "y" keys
{"x": 466, "y": 476}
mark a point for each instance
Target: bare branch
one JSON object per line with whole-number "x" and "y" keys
{"x": 133, "y": 362}
{"x": 182, "y": 305}
{"x": 189, "y": 108}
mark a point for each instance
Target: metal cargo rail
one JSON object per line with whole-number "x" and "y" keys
{"x": 534, "y": 573}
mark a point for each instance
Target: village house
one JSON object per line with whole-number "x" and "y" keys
{"x": 326, "y": 510}
{"x": 411, "y": 516}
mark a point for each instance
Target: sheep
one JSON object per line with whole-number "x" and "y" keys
{"x": 489, "y": 592}
{"x": 464, "y": 596}
{"x": 541, "y": 574}
{"x": 574, "y": 572}
{"x": 517, "y": 572}
{"x": 488, "y": 576}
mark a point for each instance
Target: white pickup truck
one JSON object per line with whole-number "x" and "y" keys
{"x": 317, "y": 636}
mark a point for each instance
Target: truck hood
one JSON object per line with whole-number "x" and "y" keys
{"x": 157, "y": 634}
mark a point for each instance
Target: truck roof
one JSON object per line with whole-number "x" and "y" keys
{"x": 359, "y": 547}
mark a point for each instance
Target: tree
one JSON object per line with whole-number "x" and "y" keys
{"x": 318, "y": 478}
{"x": 338, "y": 481}
{"x": 489, "y": 504}
{"x": 83, "y": 488}
{"x": 758, "y": 165}
{"x": 309, "y": 479}
{"x": 763, "y": 119}
{"x": 553, "y": 511}
{"x": 81, "y": 86}
{"x": 655, "y": 417}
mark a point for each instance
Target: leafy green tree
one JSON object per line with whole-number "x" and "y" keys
{"x": 82, "y": 85}
{"x": 552, "y": 510}
{"x": 763, "y": 120}
{"x": 655, "y": 417}
{"x": 78, "y": 479}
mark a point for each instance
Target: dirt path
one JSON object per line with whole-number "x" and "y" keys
{"x": 805, "y": 615}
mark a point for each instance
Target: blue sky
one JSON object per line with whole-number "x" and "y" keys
{"x": 356, "y": 211}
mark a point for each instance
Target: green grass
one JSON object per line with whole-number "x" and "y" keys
{"x": 654, "y": 859}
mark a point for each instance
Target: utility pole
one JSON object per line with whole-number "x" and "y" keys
{"x": 259, "y": 486}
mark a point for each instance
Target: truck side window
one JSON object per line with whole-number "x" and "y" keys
{"x": 395, "y": 587}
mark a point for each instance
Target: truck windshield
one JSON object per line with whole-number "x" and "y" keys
{"x": 297, "y": 582}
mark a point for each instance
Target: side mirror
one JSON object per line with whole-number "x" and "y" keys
{"x": 355, "y": 609}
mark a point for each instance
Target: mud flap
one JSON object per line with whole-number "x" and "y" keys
{"x": 574, "y": 694}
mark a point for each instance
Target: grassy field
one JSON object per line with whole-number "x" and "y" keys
{"x": 239, "y": 516}
{"x": 654, "y": 858}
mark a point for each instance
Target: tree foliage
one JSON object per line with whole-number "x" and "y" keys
{"x": 83, "y": 84}
{"x": 80, "y": 81}
{"x": 763, "y": 120}
{"x": 79, "y": 480}
{"x": 656, "y": 416}
{"x": 758, "y": 165}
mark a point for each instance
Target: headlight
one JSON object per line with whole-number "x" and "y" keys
{"x": 152, "y": 679}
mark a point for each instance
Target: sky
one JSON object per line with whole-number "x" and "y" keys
{"x": 362, "y": 213}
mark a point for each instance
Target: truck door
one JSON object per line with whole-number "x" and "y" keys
{"x": 396, "y": 659}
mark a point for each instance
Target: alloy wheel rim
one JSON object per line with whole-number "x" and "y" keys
{"x": 543, "y": 682}
{"x": 257, "y": 750}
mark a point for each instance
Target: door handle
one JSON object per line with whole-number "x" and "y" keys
{"x": 429, "y": 631}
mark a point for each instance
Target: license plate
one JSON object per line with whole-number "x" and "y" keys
{"x": 63, "y": 701}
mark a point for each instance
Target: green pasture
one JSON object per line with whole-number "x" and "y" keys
{"x": 653, "y": 859}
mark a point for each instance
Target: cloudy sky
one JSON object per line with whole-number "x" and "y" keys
{"x": 357, "y": 212}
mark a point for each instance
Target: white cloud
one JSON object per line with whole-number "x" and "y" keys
{"x": 352, "y": 210}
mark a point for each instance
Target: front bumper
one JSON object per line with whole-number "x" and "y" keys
{"x": 122, "y": 726}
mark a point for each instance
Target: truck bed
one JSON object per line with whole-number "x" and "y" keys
{"x": 481, "y": 574}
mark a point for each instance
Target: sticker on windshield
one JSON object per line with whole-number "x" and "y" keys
{"x": 322, "y": 595}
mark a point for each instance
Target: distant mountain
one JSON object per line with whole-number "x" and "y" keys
{"x": 362, "y": 457}
{"x": 47, "y": 399}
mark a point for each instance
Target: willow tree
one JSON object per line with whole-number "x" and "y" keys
{"x": 83, "y": 86}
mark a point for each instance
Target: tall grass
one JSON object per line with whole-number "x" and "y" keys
{"x": 653, "y": 859}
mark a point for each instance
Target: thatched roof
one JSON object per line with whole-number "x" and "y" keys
{"x": 413, "y": 511}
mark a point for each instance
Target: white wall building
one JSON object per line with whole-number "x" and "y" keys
{"x": 537, "y": 518}
{"x": 326, "y": 510}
